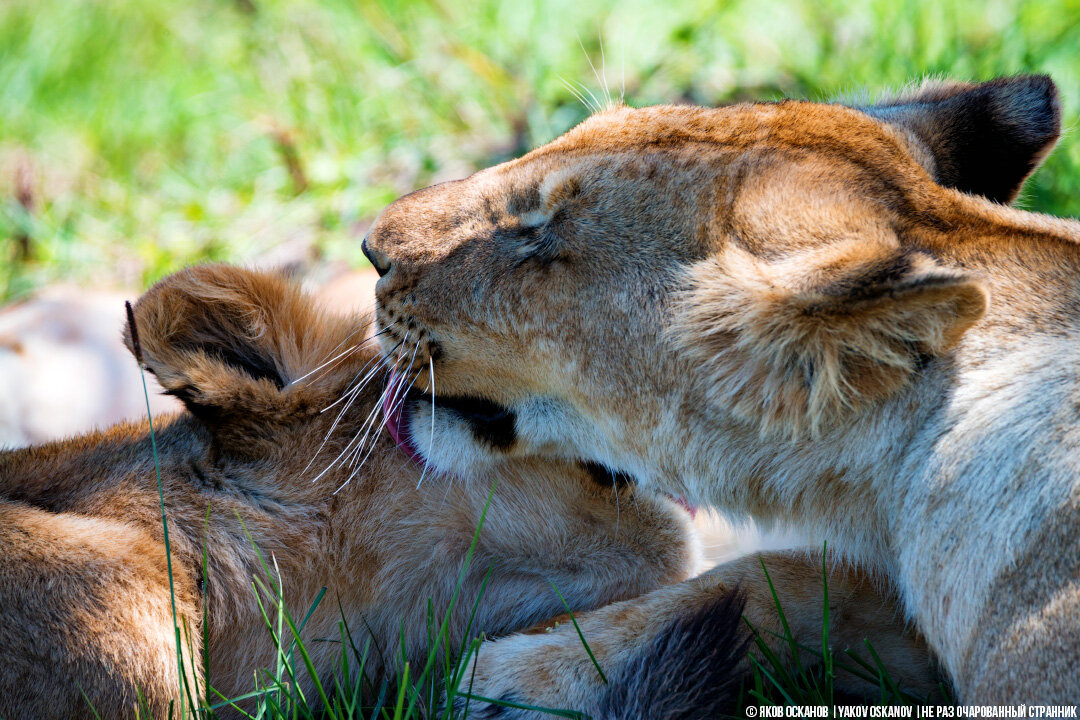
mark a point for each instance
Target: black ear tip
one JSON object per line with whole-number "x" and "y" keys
{"x": 1029, "y": 105}
{"x": 1038, "y": 84}
{"x": 985, "y": 138}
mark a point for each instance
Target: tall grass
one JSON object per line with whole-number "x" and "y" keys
{"x": 137, "y": 136}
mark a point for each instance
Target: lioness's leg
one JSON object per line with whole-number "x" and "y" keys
{"x": 85, "y": 614}
{"x": 553, "y": 670}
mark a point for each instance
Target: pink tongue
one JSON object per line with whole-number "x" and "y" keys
{"x": 685, "y": 505}
{"x": 394, "y": 417}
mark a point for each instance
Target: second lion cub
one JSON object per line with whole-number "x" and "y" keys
{"x": 85, "y": 613}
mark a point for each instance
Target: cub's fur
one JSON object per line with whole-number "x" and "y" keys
{"x": 794, "y": 311}
{"x": 84, "y": 589}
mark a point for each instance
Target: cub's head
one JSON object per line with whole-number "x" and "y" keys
{"x": 770, "y": 267}
{"x": 255, "y": 361}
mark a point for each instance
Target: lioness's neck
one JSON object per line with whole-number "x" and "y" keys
{"x": 1031, "y": 265}
{"x": 922, "y": 484}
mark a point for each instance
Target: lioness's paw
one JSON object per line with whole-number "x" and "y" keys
{"x": 689, "y": 666}
{"x": 548, "y": 670}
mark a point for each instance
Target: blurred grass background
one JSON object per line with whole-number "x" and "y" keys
{"x": 137, "y": 136}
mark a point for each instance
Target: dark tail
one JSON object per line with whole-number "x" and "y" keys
{"x": 691, "y": 671}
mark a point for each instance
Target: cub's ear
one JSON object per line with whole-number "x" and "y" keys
{"x": 228, "y": 341}
{"x": 801, "y": 345}
{"x": 982, "y": 138}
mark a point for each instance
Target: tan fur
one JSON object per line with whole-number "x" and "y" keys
{"x": 791, "y": 311}
{"x": 84, "y": 590}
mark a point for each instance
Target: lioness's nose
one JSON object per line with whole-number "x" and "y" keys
{"x": 379, "y": 260}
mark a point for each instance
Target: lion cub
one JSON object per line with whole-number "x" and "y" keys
{"x": 279, "y": 395}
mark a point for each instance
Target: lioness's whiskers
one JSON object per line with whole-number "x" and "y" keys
{"x": 581, "y": 98}
{"x": 332, "y": 360}
{"x": 595, "y": 105}
{"x": 398, "y": 395}
{"x": 359, "y": 440}
{"x": 349, "y": 445}
{"x": 371, "y": 448}
{"x": 378, "y": 428}
{"x": 350, "y": 336}
{"x": 395, "y": 400}
{"x": 431, "y": 436}
{"x": 379, "y": 361}
{"x": 602, "y": 81}
{"x": 356, "y": 385}
{"x": 347, "y": 338}
{"x": 363, "y": 343}
{"x": 352, "y": 394}
{"x": 372, "y": 422}
{"x": 394, "y": 394}
{"x": 349, "y": 396}
{"x": 375, "y": 364}
{"x": 376, "y": 408}
{"x": 603, "y": 69}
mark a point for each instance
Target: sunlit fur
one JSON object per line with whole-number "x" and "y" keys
{"x": 84, "y": 591}
{"x": 801, "y": 312}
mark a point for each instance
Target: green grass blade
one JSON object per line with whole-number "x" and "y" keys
{"x": 205, "y": 589}
{"x": 283, "y": 667}
{"x": 826, "y": 650}
{"x": 309, "y": 665}
{"x": 89, "y": 704}
{"x": 460, "y": 581}
{"x": 573, "y": 714}
{"x": 465, "y": 638}
{"x": 400, "y": 705}
{"x": 231, "y": 702}
{"x": 783, "y": 619}
{"x": 580, "y": 634}
{"x": 882, "y": 673}
{"x": 779, "y": 686}
{"x": 137, "y": 346}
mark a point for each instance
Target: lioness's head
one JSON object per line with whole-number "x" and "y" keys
{"x": 774, "y": 268}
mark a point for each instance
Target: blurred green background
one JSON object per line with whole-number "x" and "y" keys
{"x": 140, "y": 135}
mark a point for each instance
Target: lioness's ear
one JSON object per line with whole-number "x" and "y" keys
{"x": 983, "y": 138}
{"x": 801, "y": 345}
{"x": 227, "y": 340}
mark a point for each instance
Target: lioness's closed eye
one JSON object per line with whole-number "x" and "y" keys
{"x": 281, "y": 435}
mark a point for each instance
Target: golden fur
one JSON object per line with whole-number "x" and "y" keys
{"x": 795, "y": 311}
{"x": 84, "y": 588}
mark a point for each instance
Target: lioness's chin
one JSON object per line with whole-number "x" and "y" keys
{"x": 446, "y": 443}
{"x": 464, "y": 436}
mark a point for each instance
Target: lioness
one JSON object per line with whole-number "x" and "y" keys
{"x": 800, "y": 311}
{"x": 84, "y": 589}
